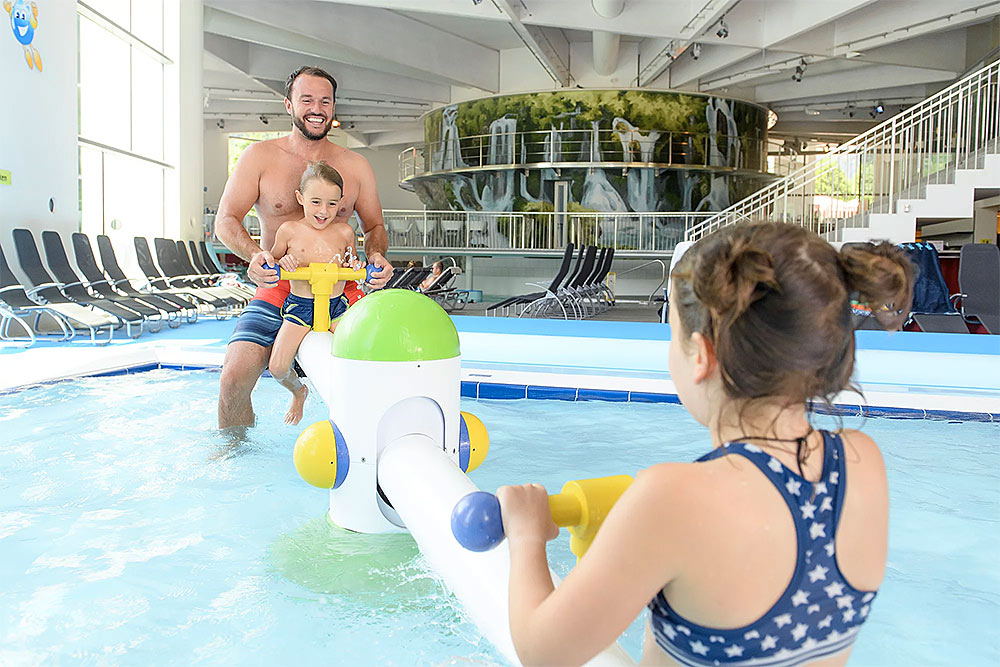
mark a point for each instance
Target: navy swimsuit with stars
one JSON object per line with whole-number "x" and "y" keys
{"x": 818, "y": 615}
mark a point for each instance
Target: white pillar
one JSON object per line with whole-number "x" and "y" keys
{"x": 183, "y": 120}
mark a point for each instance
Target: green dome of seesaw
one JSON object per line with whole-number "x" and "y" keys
{"x": 395, "y": 325}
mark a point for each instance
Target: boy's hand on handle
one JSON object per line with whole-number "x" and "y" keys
{"x": 289, "y": 262}
{"x": 261, "y": 270}
{"x": 381, "y": 277}
{"x": 526, "y": 513}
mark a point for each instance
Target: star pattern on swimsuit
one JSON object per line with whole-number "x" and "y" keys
{"x": 817, "y": 530}
{"x": 699, "y": 648}
{"x": 733, "y": 651}
{"x": 819, "y": 611}
{"x": 835, "y": 589}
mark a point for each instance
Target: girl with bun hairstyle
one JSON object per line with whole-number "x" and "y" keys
{"x": 769, "y": 549}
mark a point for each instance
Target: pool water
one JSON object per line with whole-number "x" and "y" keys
{"x": 132, "y": 532}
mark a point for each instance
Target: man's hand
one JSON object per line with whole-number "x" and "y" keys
{"x": 256, "y": 272}
{"x": 380, "y": 278}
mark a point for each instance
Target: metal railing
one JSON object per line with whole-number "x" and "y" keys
{"x": 609, "y": 147}
{"x": 630, "y": 234}
{"x": 923, "y": 145}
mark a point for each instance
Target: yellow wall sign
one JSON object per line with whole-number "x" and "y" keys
{"x": 4, "y": 177}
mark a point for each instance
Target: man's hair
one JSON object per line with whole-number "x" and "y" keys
{"x": 322, "y": 171}
{"x": 309, "y": 70}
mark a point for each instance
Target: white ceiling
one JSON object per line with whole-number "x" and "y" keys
{"x": 395, "y": 59}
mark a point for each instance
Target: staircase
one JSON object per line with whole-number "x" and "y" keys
{"x": 928, "y": 163}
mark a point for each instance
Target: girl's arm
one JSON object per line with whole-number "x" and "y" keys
{"x": 638, "y": 550}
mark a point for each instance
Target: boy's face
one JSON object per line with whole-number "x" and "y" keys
{"x": 319, "y": 202}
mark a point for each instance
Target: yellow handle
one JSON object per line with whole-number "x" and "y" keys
{"x": 582, "y": 506}
{"x": 322, "y": 278}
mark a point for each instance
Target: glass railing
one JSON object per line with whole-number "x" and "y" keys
{"x": 638, "y": 234}
{"x": 563, "y": 148}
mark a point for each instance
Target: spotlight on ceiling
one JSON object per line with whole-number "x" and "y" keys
{"x": 476, "y": 2}
{"x": 800, "y": 69}
{"x": 723, "y": 30}
{"x": 879, "y": 108}
{"x": 334, "y": 123}
{"x": 221, "y": 124}
{"x": 263, "y": 119}
{"x": 696, "y": 51}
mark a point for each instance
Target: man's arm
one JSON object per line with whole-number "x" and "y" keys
{"x": 241, "y": 193}
{"x": 369, "y": 209}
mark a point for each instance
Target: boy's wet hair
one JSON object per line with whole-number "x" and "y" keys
{"x": 775, "y": 301}
{"x": 308, "y": 70}
{"x": 322, "y": 171}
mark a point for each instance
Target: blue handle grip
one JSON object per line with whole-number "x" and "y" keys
{"x": 371, "y": 269}
{"x": 476, "y": 522}
{"x": 273, "y": 267}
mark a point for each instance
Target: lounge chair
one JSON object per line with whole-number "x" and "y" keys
{"x": 15, "y": 306}
{"x": 211, "y": 269}
{"x": 548, "y": 292}
{"x": 211, "y": 280}
{"x": 979, "y": 282}
{"x": 220, "y": 308}
{"x": 568, "y": 298}
{"x": 99, "y": 283}
{"x": 447, "y": 296}
{"x": 128, "y": 310}
{"x": 45, "y": 290}
{"x": 932, "y": 310}
{"x": 109, "y": 260}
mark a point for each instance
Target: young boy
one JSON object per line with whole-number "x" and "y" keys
{"x": 314, "y": 238}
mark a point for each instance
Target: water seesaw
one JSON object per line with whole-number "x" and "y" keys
{"x": 396, "y": 448}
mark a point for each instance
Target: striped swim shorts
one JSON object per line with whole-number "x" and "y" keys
{"x": 259, "y": 323}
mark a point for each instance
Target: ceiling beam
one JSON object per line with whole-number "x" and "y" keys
{"x": 660, "y": 54}
{"x": 872, "y": 77}
{"x": 347, "y": 35}
{"x": 550, "y": 49}
{"x": 271, "y": 65}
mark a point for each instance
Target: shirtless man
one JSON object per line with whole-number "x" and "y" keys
{"x": 267, "y": 175}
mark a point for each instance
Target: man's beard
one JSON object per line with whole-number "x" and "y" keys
{"x": 300, "y": 123}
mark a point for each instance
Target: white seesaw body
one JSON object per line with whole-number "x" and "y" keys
{"x": 401, "y": 421}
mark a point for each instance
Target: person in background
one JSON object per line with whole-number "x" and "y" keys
{"x": 434, "y": 275}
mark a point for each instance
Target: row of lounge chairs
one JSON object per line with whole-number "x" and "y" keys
{"x": 978, "y": 299}
{"x": 441, "y": 290}
{"x": 575, "y": 294}
{"x": 59, "y": 301}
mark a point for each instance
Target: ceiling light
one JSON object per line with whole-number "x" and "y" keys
{"x": 811, "y": 112}
{"x": 800, "y": 69}
{"x": 696, "y": 51}
{"x": 334, "y": 123}
{"x": 263, "y": 119}
{"x": 723, "y": 30}
{"x": 879, "y": 108}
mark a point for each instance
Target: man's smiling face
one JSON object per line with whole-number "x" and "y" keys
{"x": 311, "y": 106}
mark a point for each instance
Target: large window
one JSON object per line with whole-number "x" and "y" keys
{"x": 122, "y": 71}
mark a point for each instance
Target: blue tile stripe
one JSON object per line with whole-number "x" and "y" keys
{"x": 502, "y": 391}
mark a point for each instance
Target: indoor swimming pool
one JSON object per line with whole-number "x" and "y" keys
{"x": 132, "y": 532}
